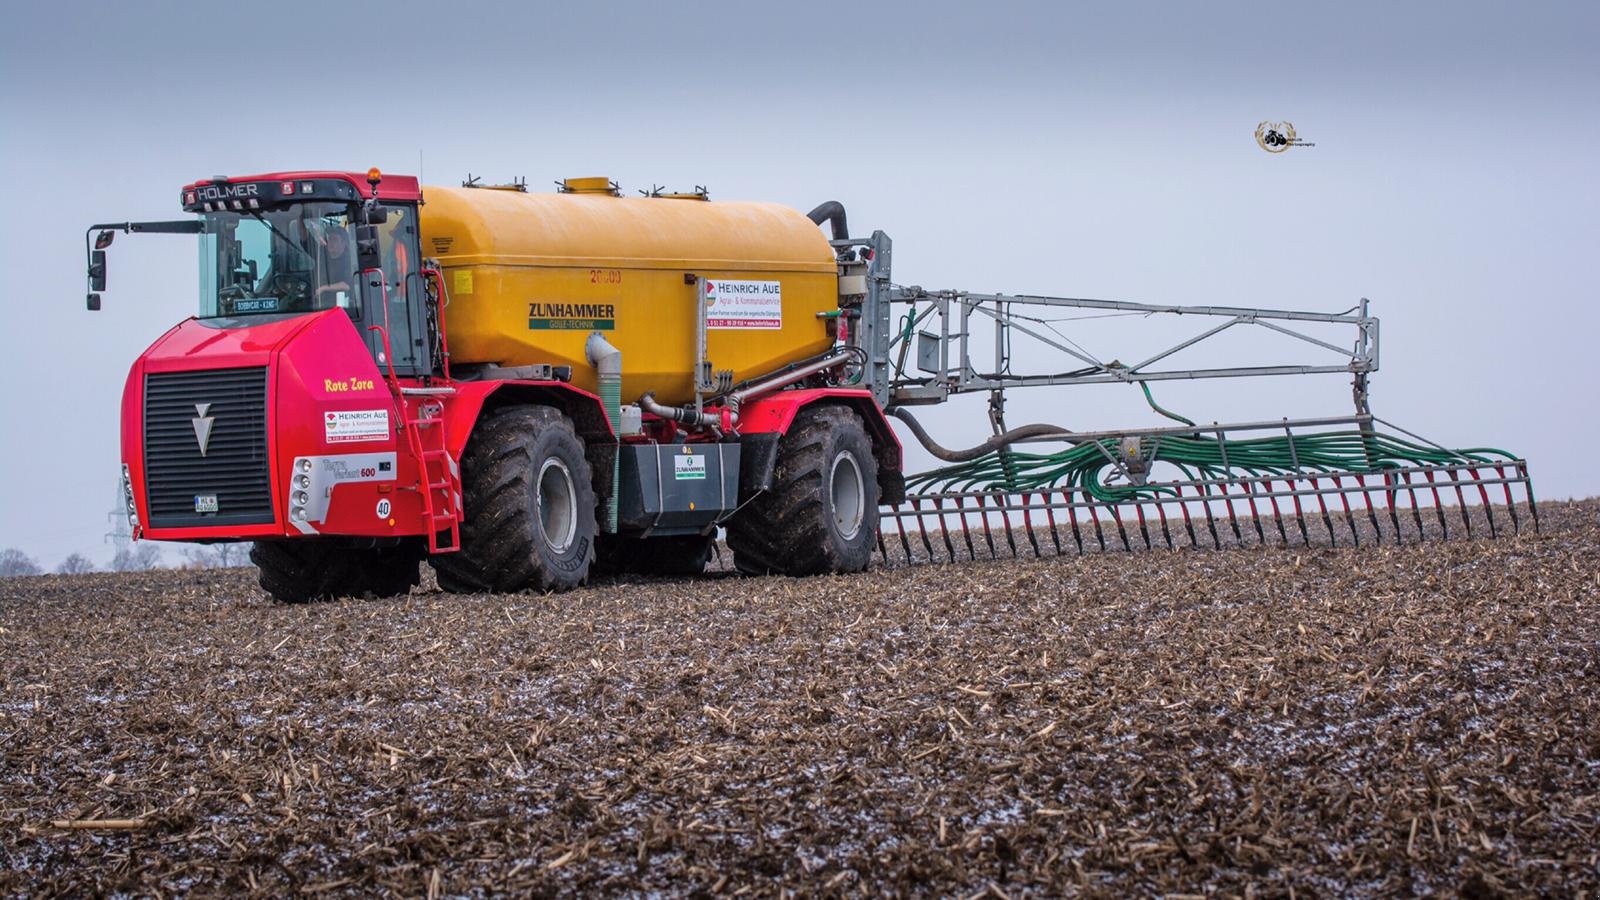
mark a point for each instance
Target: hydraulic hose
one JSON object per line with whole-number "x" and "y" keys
{"x": 983, "y": 449}
{"x": 734, "y": 399}
{"x": 833, "y": 213}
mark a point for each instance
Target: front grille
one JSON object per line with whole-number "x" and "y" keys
{"x": 234, "y": 467}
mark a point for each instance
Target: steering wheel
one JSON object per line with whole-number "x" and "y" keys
{"x": 290, "y": 289}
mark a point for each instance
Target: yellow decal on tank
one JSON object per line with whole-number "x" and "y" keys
{"x": 572, "y": 316}
{"x": 463, "y": 282}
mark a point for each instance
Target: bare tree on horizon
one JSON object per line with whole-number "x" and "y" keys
{"x": 14, "y": 563}
{"x": 76, "y": 564}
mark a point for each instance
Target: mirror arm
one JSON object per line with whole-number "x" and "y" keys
{"x": 88, "y": 237}
{"x": 181, "y": 226}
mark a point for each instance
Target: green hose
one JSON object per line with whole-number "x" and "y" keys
{"x": 1157, "y": 407}
{"x": 1086, "y": 466}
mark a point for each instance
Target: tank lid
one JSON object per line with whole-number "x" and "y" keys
{"x": 598, "y": 184}
{"x": 699, "y": 193}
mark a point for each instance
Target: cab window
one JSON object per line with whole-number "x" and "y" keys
{"x": 402, "y": 289}
{"x": 293, "y": 259}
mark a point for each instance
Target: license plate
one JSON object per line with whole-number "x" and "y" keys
{"x": 205, "y": 503}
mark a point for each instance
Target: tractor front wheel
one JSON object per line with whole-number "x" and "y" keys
{"x": 307, "y": 570}
{"x": 530, "y": 507}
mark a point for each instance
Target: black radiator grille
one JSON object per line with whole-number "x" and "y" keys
{"x": 234, "y": 467}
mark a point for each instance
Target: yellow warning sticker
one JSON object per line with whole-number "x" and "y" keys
{"x": 463, "y": 282}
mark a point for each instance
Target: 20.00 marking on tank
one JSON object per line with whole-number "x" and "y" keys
{"x": 744, "y": 304}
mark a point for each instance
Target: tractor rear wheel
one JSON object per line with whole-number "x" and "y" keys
{"x": 302, "y": 571}
{"x": 530, "y": 508}
{"x": 673, "y": 555}
{"x": 821, "y": 515}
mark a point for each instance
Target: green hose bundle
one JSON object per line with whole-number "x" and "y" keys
{"x": 1088, "y": 466}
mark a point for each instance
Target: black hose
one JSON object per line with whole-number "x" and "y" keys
{"x": 832, "y": 212}
{"x": 675, "y": 413}
{"x": 992, "y": 444}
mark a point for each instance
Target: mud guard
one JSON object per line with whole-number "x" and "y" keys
{"x": 762, "y": 422}
{"x": 588, "y": 415}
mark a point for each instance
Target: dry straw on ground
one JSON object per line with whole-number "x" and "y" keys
{"x": 1392, "y": 720}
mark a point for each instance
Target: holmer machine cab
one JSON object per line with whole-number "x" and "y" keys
{"x": 372, "y": 381}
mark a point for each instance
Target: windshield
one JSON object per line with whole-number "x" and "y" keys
{"x": 298, "y": 258}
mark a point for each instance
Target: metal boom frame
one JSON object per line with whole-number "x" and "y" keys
{"x": 945, "y": 354}
{"x": 941, "y": 323}
{"x": 938, "y": 325}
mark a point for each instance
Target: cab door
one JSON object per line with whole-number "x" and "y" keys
{"x": 397, "y": 304}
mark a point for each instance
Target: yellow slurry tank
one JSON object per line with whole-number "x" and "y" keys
{"x": 531, "y": 275}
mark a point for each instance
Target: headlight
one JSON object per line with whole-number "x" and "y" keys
{"x": 127, "y": 498}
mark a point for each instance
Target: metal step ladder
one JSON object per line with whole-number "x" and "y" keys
{"x": 439, "y": 475}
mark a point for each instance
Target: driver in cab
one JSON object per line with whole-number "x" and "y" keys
{"x": 337, "y": 269}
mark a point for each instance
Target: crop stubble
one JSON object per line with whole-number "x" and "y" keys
{"x": 1386, "y": 720}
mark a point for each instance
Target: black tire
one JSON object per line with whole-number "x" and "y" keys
{"x": 529, "y": 501}
{"x": 674, "y": 555}
{"x": 392, "y": 571}
{"x": 806, "y": 525}
{"x": 448, "y": 583}
{"x": 308, "y": 570}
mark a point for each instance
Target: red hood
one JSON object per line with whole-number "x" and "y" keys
{"x": 196, "y": 343}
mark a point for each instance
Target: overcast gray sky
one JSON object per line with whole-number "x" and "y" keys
{"x": 1099, "y": 150}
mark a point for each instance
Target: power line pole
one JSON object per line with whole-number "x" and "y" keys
{"x": 120, "y": 536}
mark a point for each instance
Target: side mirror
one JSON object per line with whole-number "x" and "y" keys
{"x": 94, "y": 303}
{"x": 367, "y": 256}
{"x": 97, "y": 268}
{"x": 375, "y": 215}
{"x": 103, "y": 239}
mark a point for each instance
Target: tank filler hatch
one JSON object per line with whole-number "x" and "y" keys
{"x": 598, "y": 184}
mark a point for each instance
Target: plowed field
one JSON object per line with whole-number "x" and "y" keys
{"x": 1259, "y": 721}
